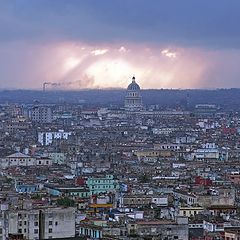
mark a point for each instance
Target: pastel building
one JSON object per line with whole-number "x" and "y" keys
{"x": 90, "y": 230}
{"x": 58, "y": 158}
{"x": 26, "y": 188}
{"x": 103, "y": 184}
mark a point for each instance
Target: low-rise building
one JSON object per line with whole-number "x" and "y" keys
{"x": 102, "y": 184}
{"x": 160, "y": 228}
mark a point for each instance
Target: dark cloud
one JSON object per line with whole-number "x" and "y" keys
{"x": 209, "y": 23}
{"x": 36, "y": 38}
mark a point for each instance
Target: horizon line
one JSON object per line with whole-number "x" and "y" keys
{"x": 112, "y": 88}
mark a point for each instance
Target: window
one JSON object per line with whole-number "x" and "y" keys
{"x": 50, "y": 230}
{"x": 50, "y": 223}
{"x": 35, "y": 224}
{"x": 19, "y": 230}
{"x": 56, "y": 223}
{"x": 35, "y": 231}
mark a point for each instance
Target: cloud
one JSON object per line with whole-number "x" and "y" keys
{"x": 169, "y": 54}
{"x": 99, "y": 52}
{"x": 73, "y": 65}
{"x": 179, "y": 44}
{"x": 212, "y": 24}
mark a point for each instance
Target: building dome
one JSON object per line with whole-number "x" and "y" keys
{"x": 133, "y": 86}
{"x": 133, "y": 99}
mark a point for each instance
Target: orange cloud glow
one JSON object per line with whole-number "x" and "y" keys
{"x": 76, "y": 65}
{"x": 113, "y": 65}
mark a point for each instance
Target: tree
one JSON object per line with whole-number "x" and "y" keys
{"x": 66, "y": 202}
{"x": 144, "y": 178}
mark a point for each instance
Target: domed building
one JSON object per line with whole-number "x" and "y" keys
{"x": 133, "y": 99}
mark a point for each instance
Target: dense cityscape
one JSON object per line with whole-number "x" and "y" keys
{"x": 70, "y": 171}
{"x": 119, "y": 120}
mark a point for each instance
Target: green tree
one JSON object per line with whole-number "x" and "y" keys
{"x": 66, "y": 202}
{"x": 144, "y": 178}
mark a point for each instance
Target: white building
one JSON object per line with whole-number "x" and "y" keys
{"x": 43, "y": 223}
{"x": 167, "y": 146}
{"x": 58, "y": 158}
{"x": 44, "y": 161}
{"x": 19, "y": 159}
{"x": 189, "y": 198}
{"x": 163, "y": 130}
{"x": 160, "y": 200}
{"x": 46, "y": 138}
{"x": 210, "y": 151}
{"x": 133, "y": 99}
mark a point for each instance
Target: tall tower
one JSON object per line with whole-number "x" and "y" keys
{"x": 133, "y": 99}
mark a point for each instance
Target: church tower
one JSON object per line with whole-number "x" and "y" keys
{"x": 133, "y": 99}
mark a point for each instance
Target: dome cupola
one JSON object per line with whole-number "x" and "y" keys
{"x": 133, "y": 86}
{"x": 133, "y": 99}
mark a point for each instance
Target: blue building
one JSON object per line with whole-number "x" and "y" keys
{"x": 90, "y": 231}
{"x": 102, "y": 184}
{"x": 26, "y": 188}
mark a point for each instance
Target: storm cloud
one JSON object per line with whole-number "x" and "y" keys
{"x": 89, "y": 41}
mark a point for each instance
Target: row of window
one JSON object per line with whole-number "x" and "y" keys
{"x": 23, "y": 160}
{"x": 102, "y": 181}
{"x": 50, "y": 223}
{"x": 190, "y": 212}
{"x": 104, "y": 186}
{"x": 90, "y": 232}
{"x": 35, "y": 231}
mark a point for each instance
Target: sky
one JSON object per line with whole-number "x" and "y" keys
{"x": 77, "y": 44}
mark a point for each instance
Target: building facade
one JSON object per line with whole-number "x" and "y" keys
{"x": 133, "y": 99}
{"x": 47, "y": 138}
{"x": 43, "y": 223}
{"x": 104, "y": 184}
{"x": 22, "y": 160}
{"x": 41, "y": 114}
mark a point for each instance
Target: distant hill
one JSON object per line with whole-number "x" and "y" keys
{"x": 228, "y": 99}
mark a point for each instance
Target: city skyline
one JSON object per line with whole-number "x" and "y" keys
{"x": 93, "y": 44}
